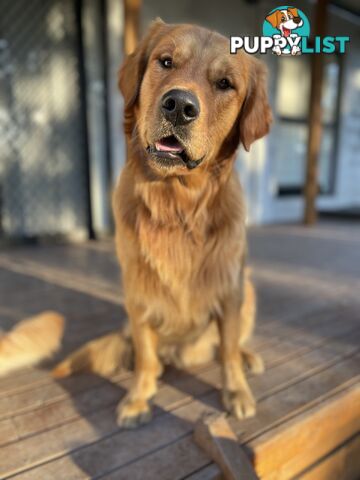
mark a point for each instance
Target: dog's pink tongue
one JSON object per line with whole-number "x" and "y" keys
{"x": 168, "y": 146}
{"x": 286, "y": 32}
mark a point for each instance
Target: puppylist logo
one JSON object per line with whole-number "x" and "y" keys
{"x": 286, "y": 31}
{"x": 287, "y": 26}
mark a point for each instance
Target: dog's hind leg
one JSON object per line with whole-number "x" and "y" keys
{"x": 205, "y": 349}
{"x": 252, "y": 360}
{"x": 202, "y": 351}
{"x": 103, "y": 356}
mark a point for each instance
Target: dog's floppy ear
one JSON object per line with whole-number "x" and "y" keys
{"x": 274, "y": 19}
{"x": 132, "y": 71}
{"x": 293, "y": 11}
{"x": 255, "y": 116}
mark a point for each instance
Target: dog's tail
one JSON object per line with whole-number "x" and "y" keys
{"x": 31, "y": 341}
{"x": 103, "y": 356}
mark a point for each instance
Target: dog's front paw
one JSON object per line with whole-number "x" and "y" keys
{"x": 240, "y": 403}
{"x": 133, "y": 413}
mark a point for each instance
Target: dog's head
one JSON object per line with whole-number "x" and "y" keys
{"x": 285, "y": 20}
{"x": 188, "y": 101}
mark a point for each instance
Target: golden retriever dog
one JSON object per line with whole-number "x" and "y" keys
{"x": 180, "y": 216}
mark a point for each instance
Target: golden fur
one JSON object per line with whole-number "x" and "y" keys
{"x": 30, "y": 341}
{"x": 180, "y": 232}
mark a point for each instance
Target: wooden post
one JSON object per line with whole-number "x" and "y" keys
{"x": 214, "y": 434}
{"x": 315, "y": 113}
{"x": 131, "y": 24}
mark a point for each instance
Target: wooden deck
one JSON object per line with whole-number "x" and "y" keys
{"x": 308, "y": 332}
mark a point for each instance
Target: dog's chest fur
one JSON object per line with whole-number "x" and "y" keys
{"x": 190, "y": 247}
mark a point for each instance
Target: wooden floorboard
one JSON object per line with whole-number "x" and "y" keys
{"x": 308, "y": 334}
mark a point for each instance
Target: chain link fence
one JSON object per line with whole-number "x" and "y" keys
{"x": 43, "y": 169}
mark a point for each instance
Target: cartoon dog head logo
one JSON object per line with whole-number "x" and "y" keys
{"x": 285, "y": 20}
{"x": 289, "y": 23}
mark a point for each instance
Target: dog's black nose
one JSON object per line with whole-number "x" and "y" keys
{"x": 180, "y": 107}
{"x": 297, "y": 20}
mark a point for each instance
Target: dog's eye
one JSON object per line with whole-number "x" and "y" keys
{"x": 223, "y": 84}
{"x": 283, "y": 19}
{"x": 166, "y": 62}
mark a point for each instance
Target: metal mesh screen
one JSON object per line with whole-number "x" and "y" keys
{"x": 43, "y": 186}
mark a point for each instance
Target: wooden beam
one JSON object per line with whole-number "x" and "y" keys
{"x": 311, "y": 442}
{"x": 131, "y": 25}
{"x": 294, "y": 445}
{"x": 214, "y": 434}
{"x": 344, "y": 463}
{"x": 315, "y": 114}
